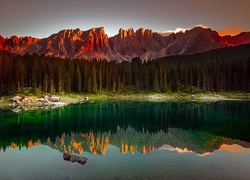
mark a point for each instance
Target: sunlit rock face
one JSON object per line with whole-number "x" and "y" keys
{"x": 74, "y": 44}
{"x": 193, "y": 41}
{"x": 17, "y": 44}
{"x": 242, "y": 38}
{"x": 127, "y": 44}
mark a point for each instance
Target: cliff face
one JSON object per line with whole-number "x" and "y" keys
{"x": 134, "y": 44}
{"x": 146, "y": 44}
{"x": 16, "y": 44}
{"x": 74, "y": 44}
{"x": 242, "y": 38}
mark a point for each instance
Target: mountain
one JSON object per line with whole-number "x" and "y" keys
{"x": 74, "y": 44}
{"x": 128, "y": 44}
{"x": 143, "y": 43}
{"x": 17, "y": 45}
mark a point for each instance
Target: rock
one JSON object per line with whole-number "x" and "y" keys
{"x": 26, "y": 101}
{"x": 144, "y": 43}
{"x": 58, "y": 104}
{"x": 1, "y": 99}
{"x": 122, "y": 33}
{"x": 66, "y": 156}
{"x": 74, "y": 158}
{"x": 82, "y": 100}
{"x": 82, "y": 160}
{"x": 46, "y": 98}
{"x": 43, "y": 100}
{"x": 17, "y": 99}
{"x": 17, "y": 109}
{"x": 54, "y": 99}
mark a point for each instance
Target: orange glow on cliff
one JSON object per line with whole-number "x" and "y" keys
{"x": 230, "y": 31}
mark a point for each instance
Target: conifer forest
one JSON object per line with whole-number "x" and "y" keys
{"x": 220, "y": 70}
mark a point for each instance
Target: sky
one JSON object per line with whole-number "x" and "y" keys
{"x": 41, "y": 18}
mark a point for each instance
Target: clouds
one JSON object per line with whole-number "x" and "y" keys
{"x": 168, "y": 32}
{"x": 177, "y": 30}
{"x": 227, "y": 31}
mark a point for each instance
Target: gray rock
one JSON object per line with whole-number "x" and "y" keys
{"x": 54, "y": 99}
{"x": 16, "y": 99}
{"x": 74, "y": 158}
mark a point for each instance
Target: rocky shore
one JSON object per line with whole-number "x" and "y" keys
{"x": 19, "y": 103}
{"x": 23, "y": 102}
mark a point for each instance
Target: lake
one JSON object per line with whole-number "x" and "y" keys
{"x": 128, "y": 140}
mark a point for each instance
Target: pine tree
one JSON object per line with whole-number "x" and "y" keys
{"x": 94, "y": 81}
{"x": 78, "y": 79}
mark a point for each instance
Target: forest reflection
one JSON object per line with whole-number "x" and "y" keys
{"x": 131, "y": 141}
{"x": 200, "y": 127}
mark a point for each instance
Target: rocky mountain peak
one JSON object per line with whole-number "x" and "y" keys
{"x": 131, "y": 31}
{"x": 122, "y": 33}
{"x": 17, "y": 44}
{"x": 148, "y": 32}
{"x": 144, "y": 43}
{"x": 140, "y": 31}
{"x": 73, "y": 43}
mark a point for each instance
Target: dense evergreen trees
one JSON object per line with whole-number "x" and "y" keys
{"x": 225, "y": 69}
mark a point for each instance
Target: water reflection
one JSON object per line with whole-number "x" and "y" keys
{"x": 131, "y": 141}
{"x": 133, "y": 127}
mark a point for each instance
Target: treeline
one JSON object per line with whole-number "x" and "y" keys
{"x": 225, "y": 69}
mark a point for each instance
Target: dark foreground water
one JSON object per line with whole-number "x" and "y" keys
{"x": 128, "y": 140}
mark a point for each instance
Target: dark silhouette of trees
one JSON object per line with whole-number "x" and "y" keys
{"x": 220, "y": 70}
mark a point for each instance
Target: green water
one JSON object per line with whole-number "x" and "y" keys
{"x": 128, "y": 140}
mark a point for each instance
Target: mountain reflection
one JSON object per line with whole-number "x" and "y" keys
{"x": 131, "y": 126}
{"x": 130, "y": 141}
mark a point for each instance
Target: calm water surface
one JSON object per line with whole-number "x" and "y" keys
{"x": 128, "y": 140}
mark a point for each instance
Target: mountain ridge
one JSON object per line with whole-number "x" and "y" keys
{"x": 127, "y": 44}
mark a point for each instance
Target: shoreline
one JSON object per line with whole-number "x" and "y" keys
{"x": 74, "y": 98}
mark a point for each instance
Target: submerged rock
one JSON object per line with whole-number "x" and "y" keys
{"x": 74, "y": 158}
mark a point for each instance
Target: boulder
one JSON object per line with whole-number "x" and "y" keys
{"x": 43, "y": 100}
{"x": 66, "y": 156}
{"x": 26, "y": 101}
{"x": 16, "y": 99}
{"x": 74, "y": 158}
{"x": 54, "y": 99}
{"x": 82, "y": 160}
{"x": 46, "y": 98}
